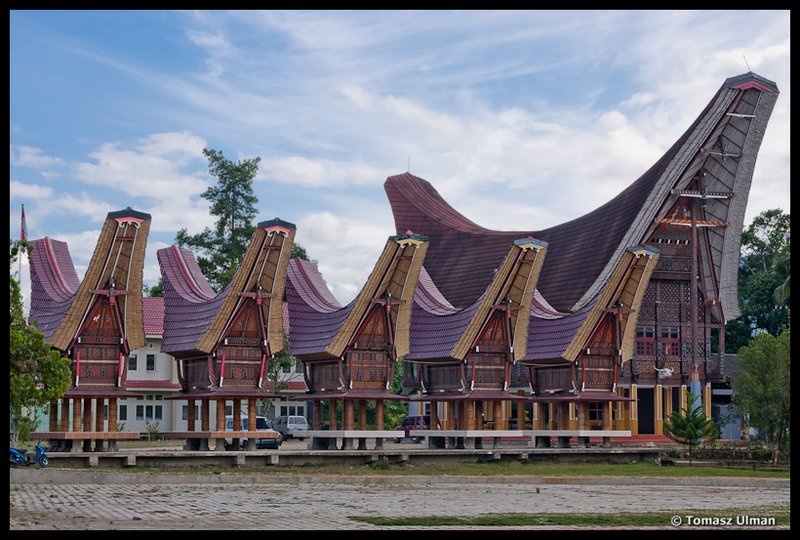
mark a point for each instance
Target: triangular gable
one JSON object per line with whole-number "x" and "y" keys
{"x": 114, "y": 273}
{"x": 391, "y": 286}
{"x": 511, "y": 290}
{"x": 262, "y": 277}
{"x": 623, "y": 295}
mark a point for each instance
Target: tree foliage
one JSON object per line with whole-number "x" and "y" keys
{"x": 233, "y": 202}
{"x": 38, "y": 374}
{"x": 691, "y": 427}
{"x": 761, "y": 390}
{"x": 763, "y": 280}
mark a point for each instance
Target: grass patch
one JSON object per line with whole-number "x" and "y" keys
{"x": 493, "y": 469}
{"x": 626, "y": 519}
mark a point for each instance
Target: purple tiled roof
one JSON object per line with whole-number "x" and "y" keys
{"x": 190, "y": 304}
{"x": 314, "y": 315}
{"x": 53, "y": 283}
{"x": 153, "y": 315}
{"x": 462, "y": 276}
{"x": 549, "y": 337}
{"x": 435, "y": 325}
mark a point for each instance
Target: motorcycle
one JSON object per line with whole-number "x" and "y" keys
{"x": 21, "y": 457}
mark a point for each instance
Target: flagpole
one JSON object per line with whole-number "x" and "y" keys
{"x": 23, "y": 235}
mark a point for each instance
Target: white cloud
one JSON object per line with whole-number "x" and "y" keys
{"x": 151, "y": 169}
{"x": 34, "y": 158}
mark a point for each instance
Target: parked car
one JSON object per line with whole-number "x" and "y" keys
{"x": 291, "y": 426}
{"x": 273, "y": 441}
{"x": 413, "y": 422}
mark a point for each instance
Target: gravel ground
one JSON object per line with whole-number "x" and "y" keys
{"x": 51, "y": 499}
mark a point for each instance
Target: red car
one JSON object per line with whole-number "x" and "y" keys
{"x": 413, "y": 422}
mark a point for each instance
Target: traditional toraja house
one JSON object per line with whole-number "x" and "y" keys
{"x": 690, "y": 206}
{"x": 222, "y": 342}
{"x": 574, "y": 361}
{"x": 95, "y": 322}
{"x": 349, "y": 352}
{"x": 627, "y": 304}
{"x": 460, "y": 359}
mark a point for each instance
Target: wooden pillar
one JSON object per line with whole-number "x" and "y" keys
{"x": 536, "y": 416}
{"x": 220, "y": 415}
{"x": 237, "y": 415}
{"x": 608, "y": 416}
{"x": 316, "y": 415}
{"x": 435, "y": 421}
{"x": 87, "y": 423}
{"x": 99, "y": 422}
{"x": 379, "y": 412}
{"x": 499, "y": 418}
{"x": 252, "y": 412}
{"x": 112, "y": 414}
{"x": 349, "y": 415}
{"x": 707, "y": 399}
{"x": 581, "y": 413}
{"x": 572, "y": 420}
{"x": 87, "y": 414}
{"x": 668, "y": 402}
{"x": 205, "y": 414}
{"x": 522, "y": 414}
{"x": 479, "y": 415}
{"x": 634, "y": 411}
{"x": 100, "y": 414}
{"x": 552, "y": 421}
{"x": 682, "y": 397}
{"x": 362, "y": 414}
{"x": 622, "y": 411}
{"x": 190, "y": 415}
{"x": 658, "y": 410}
{"x": 54, "y": 416}
{"x": 447, "y": 419}
{"x": 63, "y": 415}
{"x": 332, "y": 414}
{"x": 76, "y": 415}
{"x": 468, "y": 419}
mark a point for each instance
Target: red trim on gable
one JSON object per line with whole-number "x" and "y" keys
{"x": 753, "y": 84}
{"x": 277, "y": 228}
{"x": 128, "y": 220}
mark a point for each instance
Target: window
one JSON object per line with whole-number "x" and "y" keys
{"x": 140, "y": 412}
{"x": 132, "y": 362}
{"x": 123, "y": 413}
{"x": 151, "y": 362}
{"x": 595, "y": 411}
{"x": 158, "y": 412}
{"x": 298, "y": 367}
{"x": 185, "y": 412}
{"x": 645, "y": 339}
{"x": 669, "y": 343}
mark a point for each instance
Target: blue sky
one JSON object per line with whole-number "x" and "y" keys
{"x": 520, "y": 119}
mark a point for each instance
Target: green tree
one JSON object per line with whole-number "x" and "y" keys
{"x": 763, "y": 280}
{"x": 690, "y": 427}
{"x": 38, "y": 374}
{"x": 233, "y": 201}
{"x": 761, "y": 390}
{"x": 155, "y": 290}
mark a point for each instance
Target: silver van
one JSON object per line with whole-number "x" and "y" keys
{"x": 271, "y": 438}
{"x": 290, "y": 426}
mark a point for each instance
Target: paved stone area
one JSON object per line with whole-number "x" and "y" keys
{"x": 52, "y": 499}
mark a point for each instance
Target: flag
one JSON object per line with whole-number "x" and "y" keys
{"x": 23, "y": 228}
